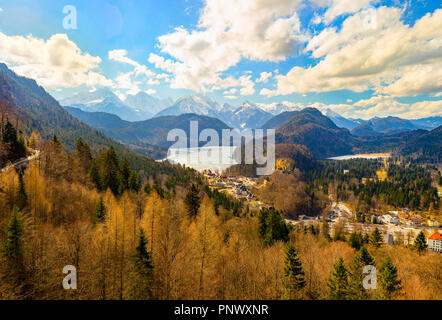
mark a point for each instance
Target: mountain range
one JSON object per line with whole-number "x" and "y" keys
{"x": 136, "y": 107}
{"x": 35, "y": 110}
{"x": 246, "y": 115}
{"x": 153, "y": 131}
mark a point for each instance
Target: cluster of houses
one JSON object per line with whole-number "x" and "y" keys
{"x": 406, "y": 217}
{"x": 237, "y": 187}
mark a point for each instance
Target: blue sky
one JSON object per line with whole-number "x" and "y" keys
{"x": 361, "y": 58}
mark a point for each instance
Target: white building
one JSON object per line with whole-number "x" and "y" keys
{"x": 435, "y": 242}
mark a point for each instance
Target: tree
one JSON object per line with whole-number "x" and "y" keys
{"x": 326, "y": 229}
{"x": 193, "y": 201}
{"x": 294, "y": 275}
{"x": 338, "y": 282}
{"x": 125, "y": 172}
{"x": 22, "y": 197}
{"x": 376, "y": 238}
{"x": 9, "y": 134}
{"x": 101, "y": 211}
{"x": 355, "y": 241}
{"x": 272, "y": 226}
{"x": 362, "y": 259}
{"x": 94, "y": 175}
{"x": 143, "y": 268}
{"x": 84, "y": 154}
{"x": 134, "y": 182}
{"x": 13, "y": 246}
{"x": 420, "y": 243}
{"x": 111, "y": 175}
{"x": 388, "y": 280}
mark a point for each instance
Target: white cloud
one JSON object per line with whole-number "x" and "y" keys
{"x": 228, "y": 31}
{"x": 231, "y": 91}
{"x": 132, "y": 80}
{"x": 231, "y": 97}
{"x": 264, "y": 77}
{"x": 1, "y": 9}
{"x": 336, "y": 8}
{"x": 392, "y": 58}
{"x": 383, "y": 106}
{"x": 54, "y": 63}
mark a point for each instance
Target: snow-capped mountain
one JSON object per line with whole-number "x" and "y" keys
{"x": 104, "y": 100}
{"x": 339, "y": 120}
{"x": 428, "y": 123}
{"x": 147, "y": 104}
{"x": 280, "y": 107}
{"x": 192, "y": 104}
{"x": 247, "y": 115}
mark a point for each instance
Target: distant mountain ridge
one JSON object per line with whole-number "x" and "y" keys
{"x": 148, "y": 132}
{"x": 381, "y": 126}
{"x": 246, "y": 115}
{"x": 135, "y": 108}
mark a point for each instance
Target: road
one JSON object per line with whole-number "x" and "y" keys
{"x": 22, "y": 162}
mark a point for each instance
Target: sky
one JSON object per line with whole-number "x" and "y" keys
{"x": 360, "y": 58}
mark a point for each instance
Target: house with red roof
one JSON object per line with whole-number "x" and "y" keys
{"x": 435, "y": 242}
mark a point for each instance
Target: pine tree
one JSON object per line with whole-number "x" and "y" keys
{"x": 326, "y": 229}
{"x": 193, "y": 201}
{"x": 111, "y": 172}
{"x": 143, "y": 268}
{"x": 101, "y": 211}
{"x": 9, "y": 134}
{"x": 22, "y": 197}
{"x": 338, "y": 282}
{"x": 84, "y": 154}
{"x": 420, "y": 243}
{"x": 376, "y": 238}
{"x": 13, "y": 246}
{"x": 134, "y": 182}
{"x": 366, "y": 239}
{"x": 354, "y": 241}
{"x": 55, "y": 140}
{"x": 388, "y": 280}
{"x": 294, "y": 275}
{"x": 362, "y": 259}
{"x": 125, "y": 172}
{"x": 94, "y": 175}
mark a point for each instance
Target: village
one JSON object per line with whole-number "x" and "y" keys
{"x": 397, "y": 226}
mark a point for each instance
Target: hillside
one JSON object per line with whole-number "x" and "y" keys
{"x": 309, "y": 127}
{"x": 427, "y": 147}
{"x": 381, "y": 126}
{"x": 148, "y": 132}
{"x": 38, "y": 111}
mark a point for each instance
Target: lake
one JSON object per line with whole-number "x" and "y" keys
{"x": 362, "y": 156}
{"x": 203, "y": 158}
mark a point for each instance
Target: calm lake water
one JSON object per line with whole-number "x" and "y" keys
{"x": 203, "y": 158}
{"x": 361, "y": 156}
